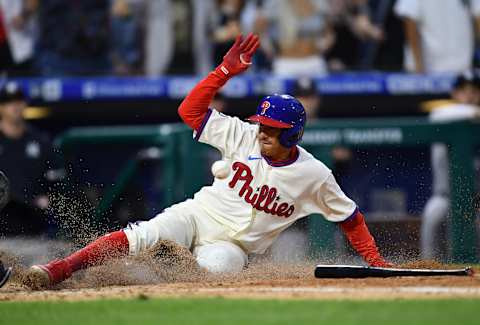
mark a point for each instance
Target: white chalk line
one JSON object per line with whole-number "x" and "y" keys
{"x": 348, "y": 290}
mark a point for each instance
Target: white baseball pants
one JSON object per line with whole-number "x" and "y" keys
{"x": 189, "y": 226}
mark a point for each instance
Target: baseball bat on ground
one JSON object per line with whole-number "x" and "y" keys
{"x": 354, "y": 271}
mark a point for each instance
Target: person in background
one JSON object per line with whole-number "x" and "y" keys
{"x": 201, "y": 28}
{"x": 306, "y": 92}
{"x": 226, "y": 27}
{"x": 254, "y": 20}
{"x": 302, "y": 35}
{"x": 159, "y": 36}
{"x": 353, "y": 28}
{"x": 73, "y": 38}
{"x": 440, "y": 37}
{"x": 19, "y": 29}
{"x": 126, "y": 36}
{"x": 27, "y": 160}
{"x": 464, "y": 105}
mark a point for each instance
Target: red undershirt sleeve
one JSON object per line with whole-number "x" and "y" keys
{"x": 355, "y": 229}
{"x": 193, "y": 108}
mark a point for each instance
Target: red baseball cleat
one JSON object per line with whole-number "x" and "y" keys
{"x": 45, "y": 276}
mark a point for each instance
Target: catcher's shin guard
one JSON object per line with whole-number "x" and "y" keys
{"x": 4, "y": 190}
{"x": 4, "y": 274}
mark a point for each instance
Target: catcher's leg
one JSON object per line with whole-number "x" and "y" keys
{"x": 4, "y": 274}
{"x": 436, "y": 211}
{"x": 221, "y": 257}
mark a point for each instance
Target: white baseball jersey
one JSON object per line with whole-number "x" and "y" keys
{"x": 260, "y": 198}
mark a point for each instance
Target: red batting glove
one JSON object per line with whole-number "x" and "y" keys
{"x": 355, "y": 229}
{"x": 239, "y": 57}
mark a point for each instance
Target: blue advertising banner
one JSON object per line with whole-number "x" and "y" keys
{"x": 176, "y": 87}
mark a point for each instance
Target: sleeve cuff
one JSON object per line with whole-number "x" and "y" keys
{"x": 351, "y": 216}
{"x": 198, "y": 132}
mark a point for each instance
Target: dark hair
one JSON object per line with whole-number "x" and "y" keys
{"x": 467, "y": 78}
{"x": 11, "y": 91}
{"x": 304, "y": 87}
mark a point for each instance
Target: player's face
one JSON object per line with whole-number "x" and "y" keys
{"x": 269, "y": 138}
{"x": 467, "y": 94}
{"x": 13, "y": 110}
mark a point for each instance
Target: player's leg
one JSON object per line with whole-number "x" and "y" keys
{"x": 221, "y": 257}
{"x": 112, "y": 245}
{"x": 172, "y": 224}
{"x": 438, "y": 206}
{"x": 436, "y": 211}
{"x": 214, "y": 249}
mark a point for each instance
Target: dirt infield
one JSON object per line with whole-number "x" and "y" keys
{"x": 262, "y": 281}
{"x": 168, "y": 270}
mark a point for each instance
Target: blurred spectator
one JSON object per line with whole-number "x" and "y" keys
{"x": 254, "y": 20}
{"x": 216, "y": 23}
{"x": 302, "y": 35}
{"x": 5, "y": 55}
{"x": 126, "y": 36}
{"x": 202, "y": 22}
{"x": 26, "y": 158}
{"x": 306, "y": 92}
{"x": 18, "y": 35}
{"x": 182, "y": 34}
{"x": 73, "y": 37}
{"x": 226, "y": 27}
{"x": 159, "y": 36}
{"x": 440, "y": 36}
{"x": 352, "y": 27}
{"x": 463, "y": 106}
{"x": 387, "y": 54}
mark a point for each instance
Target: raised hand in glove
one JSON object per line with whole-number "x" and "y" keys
{"x": 239, "y": 57}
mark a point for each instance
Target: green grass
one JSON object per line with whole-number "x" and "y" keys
{"x": 233, "y": 311}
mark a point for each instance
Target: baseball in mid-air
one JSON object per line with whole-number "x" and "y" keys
{"x": 220, "y": 169}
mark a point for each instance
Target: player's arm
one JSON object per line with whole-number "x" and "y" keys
{"x": 356, "y": 230}
{"x": 336, "y": 207}
{"x": 410, "y": 12}
{"x": 194, "y": 107}
{"x": 413, "y": 38}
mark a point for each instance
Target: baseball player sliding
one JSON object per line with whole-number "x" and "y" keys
{"x": 272, "y": 183}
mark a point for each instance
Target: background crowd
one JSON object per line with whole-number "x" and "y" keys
{"x": 156, "y": 37}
